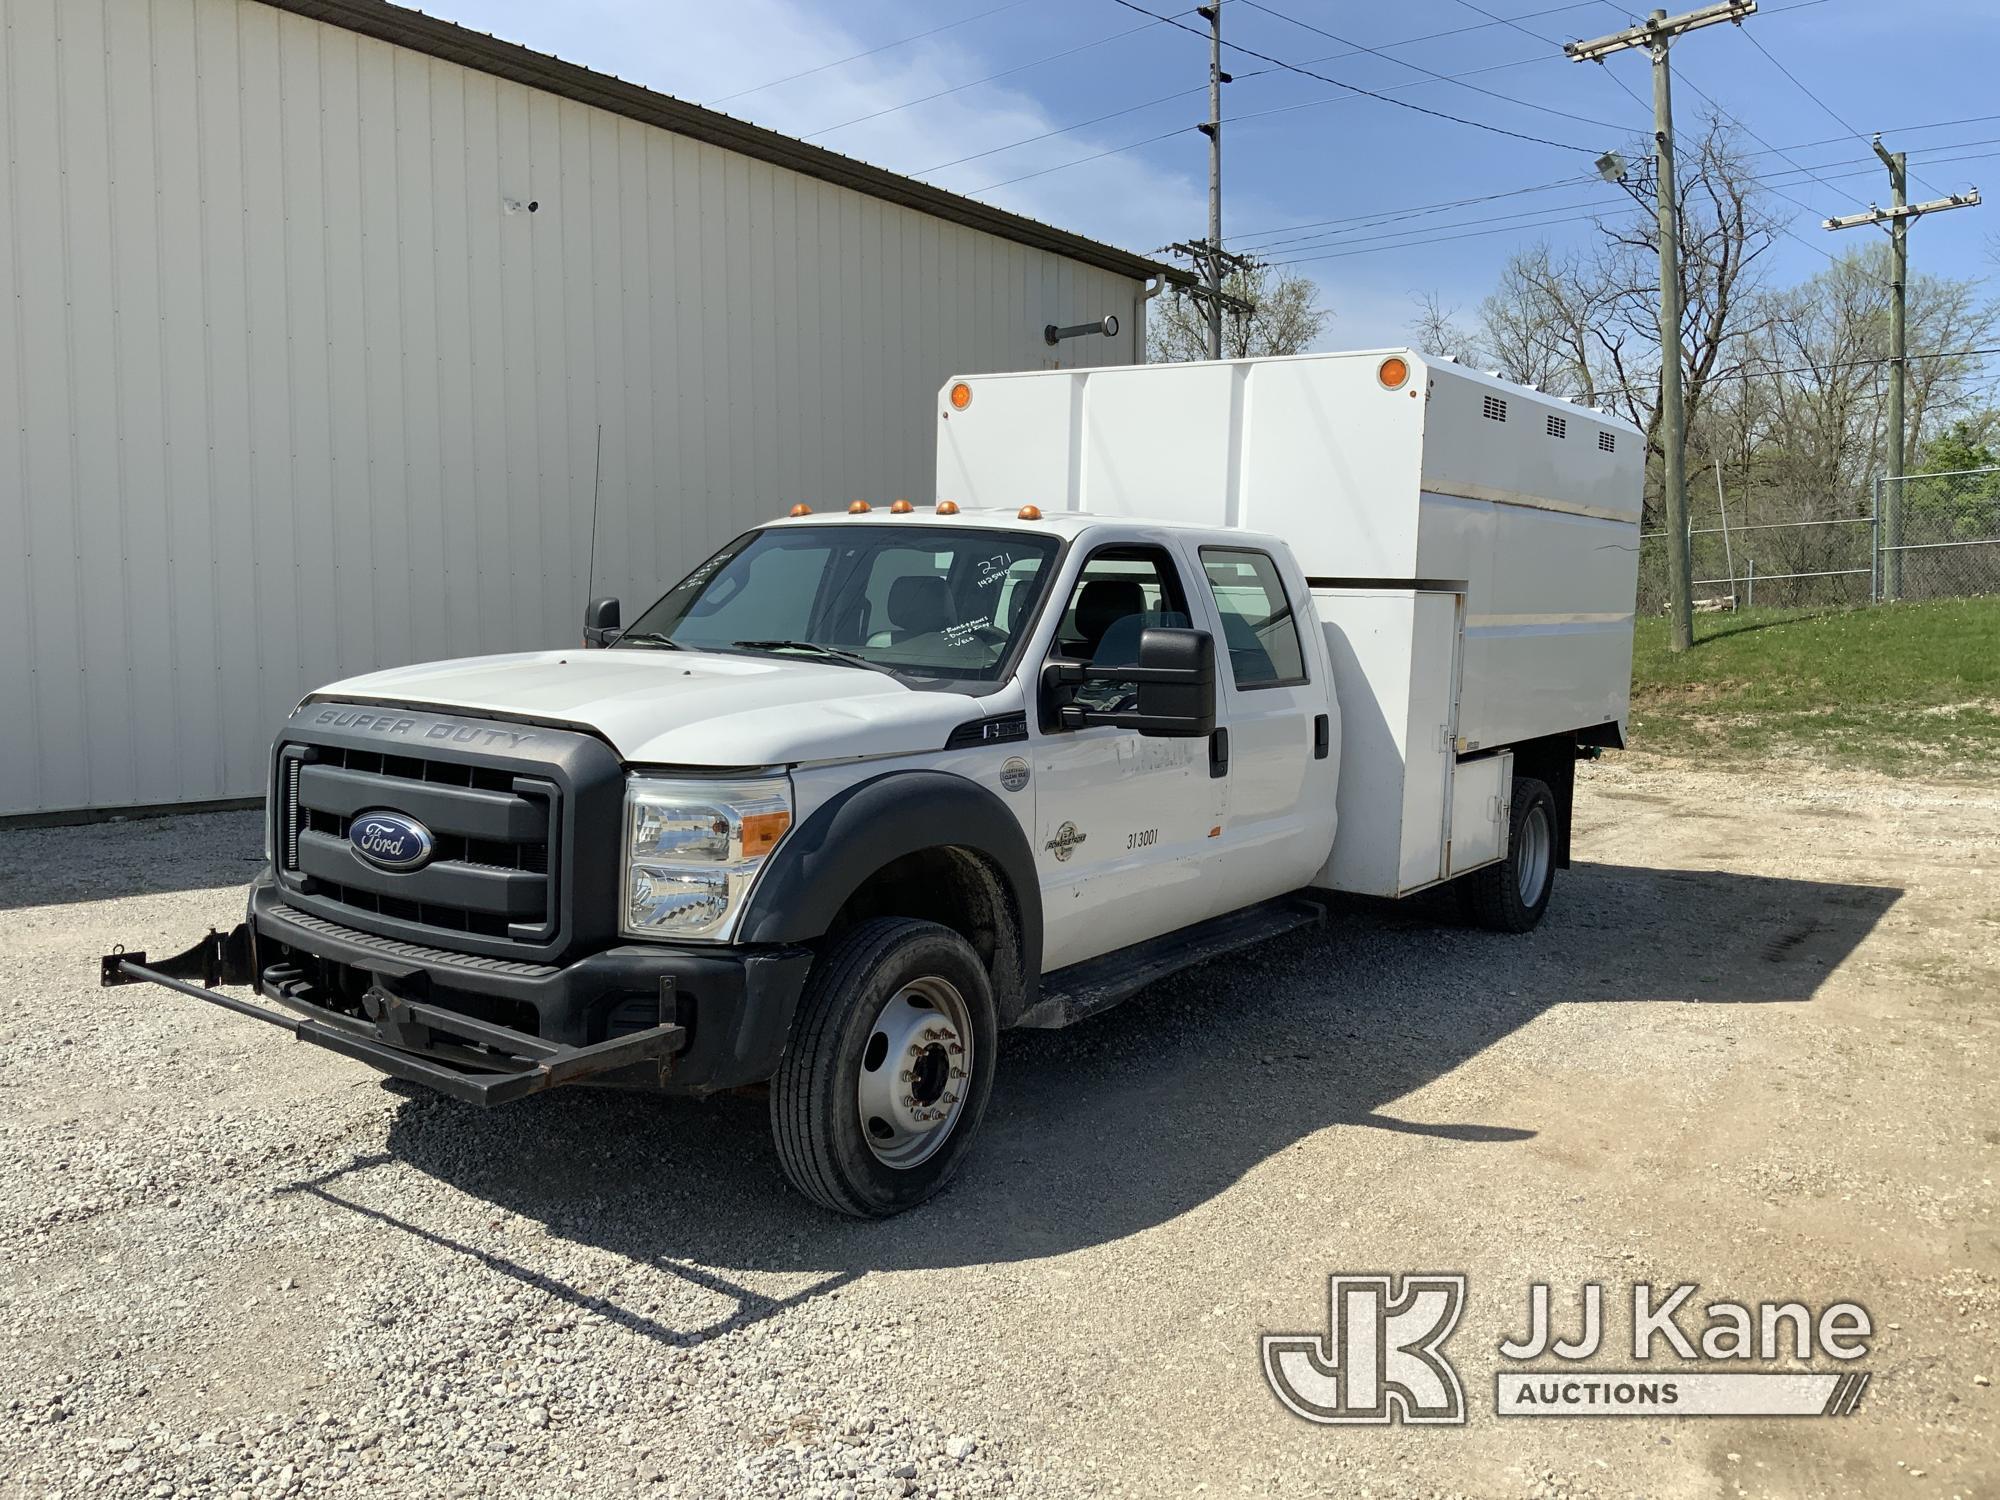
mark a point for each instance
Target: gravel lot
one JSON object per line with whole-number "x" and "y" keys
{"x": 1753, "y": 1047}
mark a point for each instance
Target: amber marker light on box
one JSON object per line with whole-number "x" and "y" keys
{"x": 961, "y": 396}
{"x": 1393, "y": 372}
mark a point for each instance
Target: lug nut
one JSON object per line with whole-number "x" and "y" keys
{"x": 955, "y": 1072}
{"x": 908, "y": 1074}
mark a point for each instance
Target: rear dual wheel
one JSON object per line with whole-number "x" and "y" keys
{"x": 1512, "y": 894}
{"x": 889, "y": 1068}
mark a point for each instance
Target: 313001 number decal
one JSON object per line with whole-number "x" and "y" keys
{"x": 1144, "y": 838}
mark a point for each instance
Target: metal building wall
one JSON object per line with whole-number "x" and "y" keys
{"x": 288, "y": 390}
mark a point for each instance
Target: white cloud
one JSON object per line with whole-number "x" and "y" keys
{"x": 705, "y": 53}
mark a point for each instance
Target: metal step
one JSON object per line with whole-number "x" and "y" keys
{"x": 1083, "y": 990}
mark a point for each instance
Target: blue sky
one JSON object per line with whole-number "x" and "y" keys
{"x": 1300, "y": 151}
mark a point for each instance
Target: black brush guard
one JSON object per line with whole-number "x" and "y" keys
{"x": 455, "y": 1054}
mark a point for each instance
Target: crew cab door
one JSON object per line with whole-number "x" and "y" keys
{"x": 1275, "y": 701}
{"x": 1123, "y": 842}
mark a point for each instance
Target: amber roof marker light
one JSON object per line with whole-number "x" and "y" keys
{"x": 859, "y": 508}
{"x": 800, "y": 510}
{"x": 901, "y": 508}
{"x": 1393, "y": 372}
{"x": 960, "y": 396}
{"x": 1028, "y": 513}
{"x": 947, "y": 507}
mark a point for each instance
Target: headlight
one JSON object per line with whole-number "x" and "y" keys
{"x": 693, "y": 850}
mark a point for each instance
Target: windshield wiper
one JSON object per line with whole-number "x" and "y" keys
{"x": 649, "y": 638}
{"x": 831, "y": 653}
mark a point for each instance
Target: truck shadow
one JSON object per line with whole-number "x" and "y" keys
{"x": 1123, "y": 1123}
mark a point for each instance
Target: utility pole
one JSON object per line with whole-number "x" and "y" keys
{"x": 1655, "y": 34}
{"x": 1212, "y": 264}
{"x": 1901, "y": 214}
{"x": 1212, "y": 128}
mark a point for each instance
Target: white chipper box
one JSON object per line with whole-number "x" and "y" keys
{"x": 1472, "y": 547}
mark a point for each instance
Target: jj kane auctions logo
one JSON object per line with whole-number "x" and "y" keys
{"x": 1382, "y": 1357}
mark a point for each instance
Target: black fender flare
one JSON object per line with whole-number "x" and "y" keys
{"x": 875, "y": 822}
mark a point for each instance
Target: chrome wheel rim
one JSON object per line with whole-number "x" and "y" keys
{"x": 916, "y": 1072}
{"x": 1531, "y": 858}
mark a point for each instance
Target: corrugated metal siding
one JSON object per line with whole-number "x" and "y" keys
{"x": 287, "y": 393}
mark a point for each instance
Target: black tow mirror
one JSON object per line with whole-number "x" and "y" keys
{"x": 600, "y": 622}
{"x": 1172, "y": 689}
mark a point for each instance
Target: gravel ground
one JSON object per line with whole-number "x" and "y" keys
{"x": 1751, "y": 1047}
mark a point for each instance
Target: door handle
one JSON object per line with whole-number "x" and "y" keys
{"x": 1322, "y": 736}
{"x": 1218, "y": 753}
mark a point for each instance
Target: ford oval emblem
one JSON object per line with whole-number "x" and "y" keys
{"x": 391, "y": 840}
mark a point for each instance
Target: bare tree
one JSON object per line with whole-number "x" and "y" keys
{"x": 1436, "y": 330}
{"x": 1284, "y": 318}
{"x": 1585, "y": 323}
{"x": 1820, "y": 359}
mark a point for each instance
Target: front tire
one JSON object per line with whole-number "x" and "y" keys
{"x": 889, "y": 1068}
{"x": 1512, "y": 894}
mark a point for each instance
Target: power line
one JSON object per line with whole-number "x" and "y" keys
{"x": 1426, "y": 237}
{"x": 958, "y": 88}
{"x": 1419, "y": 208}
{"x": 1373, "y": 221}
{"x": 1415, "y": 83}
{"x": 1164, "y": 135}
{"x": 1261, "y": 238}
{"x": 1402, "y": 63}
{"x": 870, "y": 52}
{"x": 1441, "y": 239}
{"x": 1132, "y": 109}
{"x": 1165, "y": 98}
{"x": 1829, "y": 110}
{"x": 1292, "y": 67}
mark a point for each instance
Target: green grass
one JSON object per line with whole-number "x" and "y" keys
{"x": 1896, "y": 688}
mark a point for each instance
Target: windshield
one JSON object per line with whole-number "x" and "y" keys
{"x": 946, "y": 602}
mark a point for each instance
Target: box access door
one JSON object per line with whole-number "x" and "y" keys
{"x": 1434, "y": 643}
{"x": 1395, "y": 654}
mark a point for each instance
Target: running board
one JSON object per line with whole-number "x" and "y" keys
{"x": 1083, "y": 990}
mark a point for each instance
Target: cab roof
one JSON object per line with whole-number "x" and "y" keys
{"x": 1065, "y": 525}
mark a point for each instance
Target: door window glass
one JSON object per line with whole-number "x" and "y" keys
{"x": 1120, "y": 592}
{"x": 1257, "y": 622}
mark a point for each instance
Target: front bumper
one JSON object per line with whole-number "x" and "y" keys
{"x": 488, "y": 1030}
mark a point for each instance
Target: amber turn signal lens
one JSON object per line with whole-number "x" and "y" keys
{"x": 947, "y": 507}
{"x": 1392, "y": 372}
{"x": 800, "y": 510}
{"x": 859, "y": 508}
{"x": 901, "y": 508}
{"x": 761, "y": 832}
{"x": 961, "y": 396}
{"x": 1029, "y": 513}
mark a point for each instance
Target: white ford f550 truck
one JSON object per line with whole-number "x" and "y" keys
{"x": 1175, "y": 649}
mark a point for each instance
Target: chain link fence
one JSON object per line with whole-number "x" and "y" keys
{"x": 1923, "y": 536}
{"x": 1940, "y": 535}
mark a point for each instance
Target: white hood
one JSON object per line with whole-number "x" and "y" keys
{"x": 689, "y": 708}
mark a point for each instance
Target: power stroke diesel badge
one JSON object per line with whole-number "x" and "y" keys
{"x": 1063, "y": 845}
